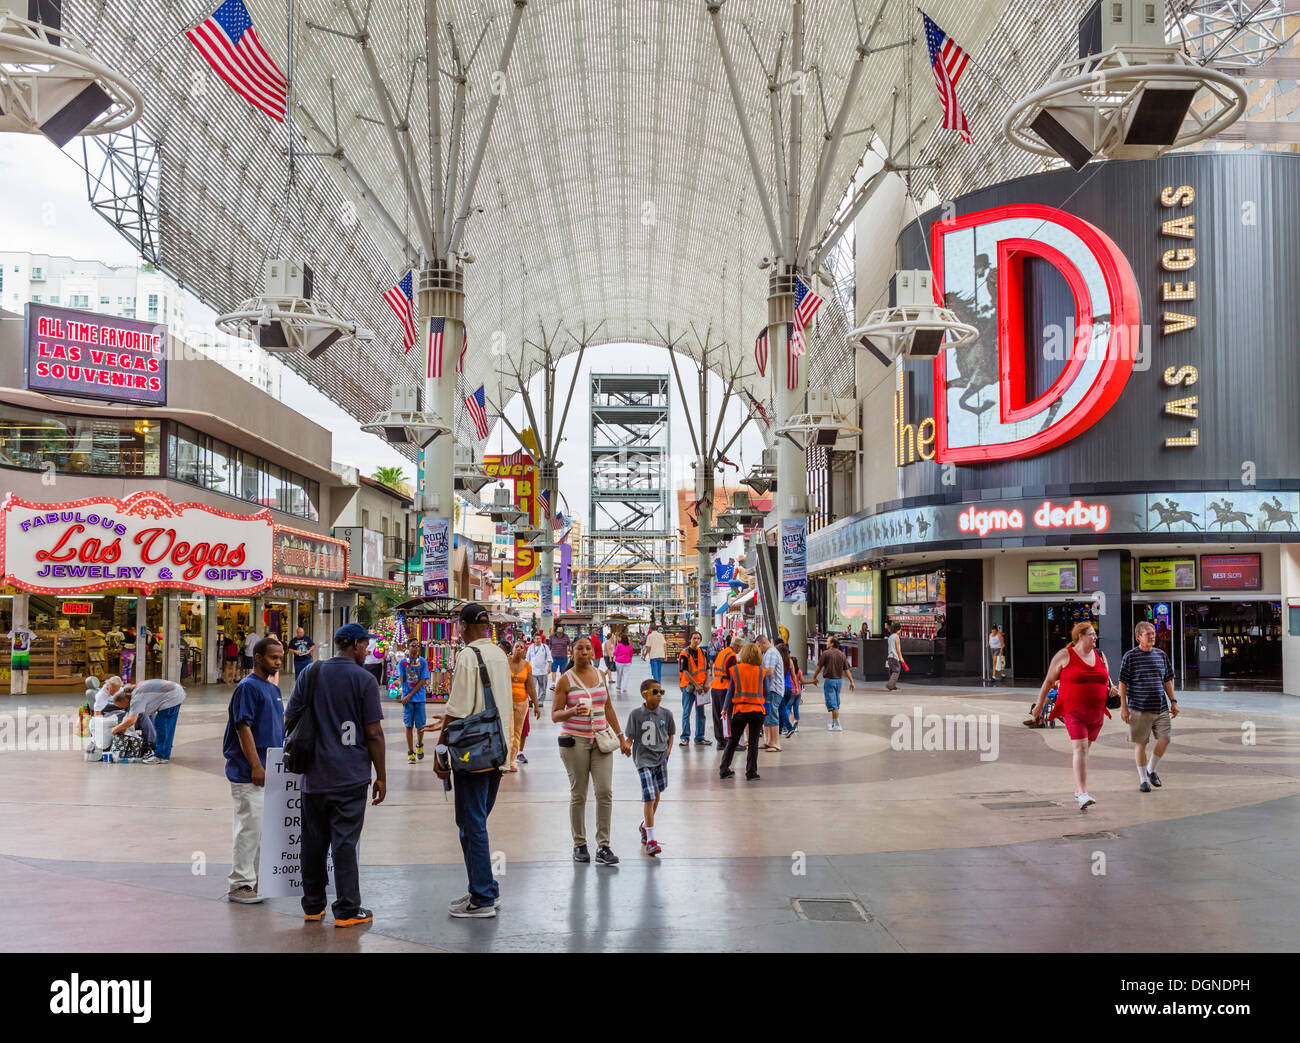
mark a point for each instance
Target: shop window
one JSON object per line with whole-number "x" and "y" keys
{"x": 78, "y": 445}
{"x": 184, "y": 455}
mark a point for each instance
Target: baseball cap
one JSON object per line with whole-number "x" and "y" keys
{"x": 354, "y": 632}
{"x": 472, "y": 614}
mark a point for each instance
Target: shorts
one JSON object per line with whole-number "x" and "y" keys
{"x": 770, "y": 707}
{"x": 1079, "y": 727}
{"x": 560, "y": 664}
{"x": 413, "y": 714}
{"x": 609, "y": 662}
{"x": 831, "y": 692}
{"x": 653, "y": 781}
{"x": 1143, "y": 724}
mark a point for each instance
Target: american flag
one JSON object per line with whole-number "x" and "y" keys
{"x": 228, "y": 42}
{"x": 760, "y": 351}
{"x": 947, "y": 62}
{"x": 806, "y": 304}
{"x": 464, "y": 347}
{"x": 476, "y": 404}
{"x": 544, "y": 505}
{"x": 758, "y": 408}
{"x": 433, "y": 367}
{"x": 399, "y": 299}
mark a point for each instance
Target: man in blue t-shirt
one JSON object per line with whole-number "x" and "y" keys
{"x": 1146, "y": 702}
{"x": 302, "y": 647}
{"x": 344, "y": 698}
{"x": 254, "y": 724}
{"x": 414, "y": 674}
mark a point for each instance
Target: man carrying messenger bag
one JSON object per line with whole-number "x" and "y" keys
{"x": 476, "y": 749}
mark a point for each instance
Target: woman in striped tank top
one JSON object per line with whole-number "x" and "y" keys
{"x": 582, "y": 708}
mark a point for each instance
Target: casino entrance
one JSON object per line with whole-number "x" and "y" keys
{"x": 1038, "y": 630}
{"x": 1229, "y": 645}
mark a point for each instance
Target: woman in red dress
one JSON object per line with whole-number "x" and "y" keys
{"x": 1082, "y": 679}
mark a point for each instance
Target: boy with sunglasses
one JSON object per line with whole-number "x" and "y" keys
{"x": 651, "y": 728}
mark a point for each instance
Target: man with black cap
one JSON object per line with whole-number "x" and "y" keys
{"x": 476, "y": 792}
{"x": 344, "y": 698}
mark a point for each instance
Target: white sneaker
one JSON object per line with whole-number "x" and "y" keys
{"x": 830, "y": 726}
{"x": 839, "y": 727}
{"x": 463, "y": 902}
{"x": 1084, "y": 801}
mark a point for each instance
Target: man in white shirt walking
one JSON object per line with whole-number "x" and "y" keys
{"x": 655, "y": 649}
{"x": 540, "y": 659}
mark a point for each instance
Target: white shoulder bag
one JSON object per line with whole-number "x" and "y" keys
{"x": 606, "y": 740}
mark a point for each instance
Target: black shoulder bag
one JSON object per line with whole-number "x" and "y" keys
{"x": 477, "y": 742}
{"x": 300, "y": 743}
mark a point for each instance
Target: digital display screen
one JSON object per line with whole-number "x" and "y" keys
{"x": 1230, "y": 572}
{"x": 1089, "y": 575}
{"x": 87, "y": 355}
{"x": 1167, "y": 574}
{"x": 1053, "y": 577}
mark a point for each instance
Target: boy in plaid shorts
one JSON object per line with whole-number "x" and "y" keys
{"x": 651, "y": 728}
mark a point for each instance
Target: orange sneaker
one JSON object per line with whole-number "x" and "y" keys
{"x": 314, "y": 916}
{"x": 359, "y": 917}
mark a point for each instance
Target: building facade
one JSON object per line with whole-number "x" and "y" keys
{"x": 157, "y": 504}
{"x": 1118, "y": 445}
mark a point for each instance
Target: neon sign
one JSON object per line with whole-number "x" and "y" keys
{"x": 982, "y": 409}
{"x": 145, "y": 542}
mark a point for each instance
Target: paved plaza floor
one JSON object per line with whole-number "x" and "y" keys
{"x": 925, "y": 849}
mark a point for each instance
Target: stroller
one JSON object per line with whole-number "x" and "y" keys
{"x": 1042, "y": 720}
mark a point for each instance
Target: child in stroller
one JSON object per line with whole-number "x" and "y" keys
{"x": 1042, "y": 720}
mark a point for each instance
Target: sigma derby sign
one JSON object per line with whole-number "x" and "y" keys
{"x": 145, "y": 542}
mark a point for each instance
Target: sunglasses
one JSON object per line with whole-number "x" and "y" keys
{"x": 654, "y": 691}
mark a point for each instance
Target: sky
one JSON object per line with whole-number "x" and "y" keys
{"x": 44, "y": 209}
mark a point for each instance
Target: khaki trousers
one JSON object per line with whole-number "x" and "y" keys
{"x": 517, "y": 717}
{"x": 584, "y": 761}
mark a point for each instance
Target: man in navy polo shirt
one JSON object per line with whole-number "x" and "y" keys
{"x": 254, "y": 724}
{"x": 344, "y": 698}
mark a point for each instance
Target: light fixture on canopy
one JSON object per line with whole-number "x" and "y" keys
{"x": 914, "y": 326}
{"x": 1128, "y": 95}
{"x": 824, "y": 423}
{"x": 49, "y": 82}
{"x": 284, "y": 318}
{"x": 405, "y": 423}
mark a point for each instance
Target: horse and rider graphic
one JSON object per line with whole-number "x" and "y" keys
{"x": 1169, "y": 514}
{"x": 1224, "y": 515}
{"x": 1274, "y": 512}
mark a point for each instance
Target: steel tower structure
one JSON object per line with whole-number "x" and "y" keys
{"x": 631, "y": 557}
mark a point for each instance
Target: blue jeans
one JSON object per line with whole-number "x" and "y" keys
{"x": 164, "y": 726}
{"x": 657, "y": 670}
{"x": 784, "y": 708}
{"x": 831, "y": 692}
{"x": 475, "y": 795}
{"x": 688, "y": 701}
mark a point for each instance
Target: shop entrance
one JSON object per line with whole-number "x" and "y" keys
{"x": 1232, "y": 644}
{"x": 1038, "y": 631}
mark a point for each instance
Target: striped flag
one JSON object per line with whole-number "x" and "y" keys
{"x": 947, "y": 62}
{"x": 758, "y": 408}
{"x": 464, "y": 347}
{"x": 476, "y": 404}
{"x": 544, "y": 505}
{"x": 760, "y": 351}
{"x": 399, "y": 299}
{"x": 433, "y": 367}
{"x": 228, "y": 42}
{"x": 806, "y": 304}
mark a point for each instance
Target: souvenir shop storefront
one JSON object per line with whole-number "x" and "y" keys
{"x": 106, "y": 586}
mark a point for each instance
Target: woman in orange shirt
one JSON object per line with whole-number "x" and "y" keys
{"x": 524, "y": 691}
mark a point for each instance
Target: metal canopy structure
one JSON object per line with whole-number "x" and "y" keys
{"x": 615, "y": 186}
